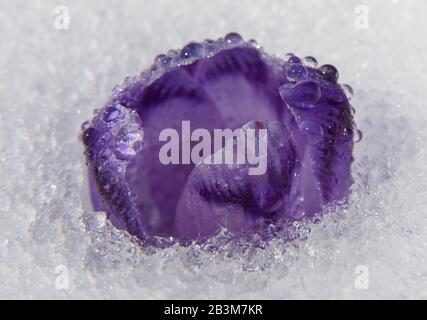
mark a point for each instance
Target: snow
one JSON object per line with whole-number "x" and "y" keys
{"x": 51, "y": 80}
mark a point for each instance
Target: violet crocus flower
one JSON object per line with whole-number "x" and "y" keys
{"x": 228, "y": 83}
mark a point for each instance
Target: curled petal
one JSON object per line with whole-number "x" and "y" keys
{"x": 228, "y": 195}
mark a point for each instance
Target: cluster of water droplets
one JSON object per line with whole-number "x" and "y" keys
{"x": 115, "y": 134}
{"x": 189, "y": 54}
{"x": 297, "y": 71}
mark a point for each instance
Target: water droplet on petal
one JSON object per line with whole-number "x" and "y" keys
{"x": 254, "y": 43}
{"x": 358, "y": 136}
{"x": 128, "y": 143}
{"x": 192, "y": 50}
{"x": 348, "y": 134}
{"x": 294, "y": 59}
{"x": 309, "y": 62}
{"x": 159, "y": 58}
{"x": 89, "y": 136}
{"x": 233, "y": 37}
{"x": 91, "y": 155}
{"x": 172, "y": 53}
{"x": 348, "y": 91}
{"x": 111, "y": 114}
{"x": 288, "y": 56}
{"x": 303, "y": 95}
{"x": 85, "y": 125}
{"x": 312, "y": 131}
{"x": 210, "y": 47}
{"x": 329, "y": 73}
{"x": 296, "y": 71}
{"x": 163, "y": 61}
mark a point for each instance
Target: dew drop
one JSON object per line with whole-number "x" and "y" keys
{"x": 233, "y": 38}
{"x": 296, "y": 71}
{"x": 329, "y": 73}
{"x": 294, "y": 59}
{"x": 210, "y": 47}
{"x": 288, "y": 56}
{"x": 348, "y": 134}
{"x": 89, "y": 136}
{"x": 159, "y": 58}
{"x": 254, "y": 44}
{"x": 85, "y": 125}
{"x": 358, "y": 136}
{"x": 348, "y": 91}
{"x": 192, "y": 50}
{"x": 163, "y": 61}
{"x": 303, "y": 95}
{"x": 172, "y": 53}
{"x": 111, "y": 114}
{"x": 91, "y": 155}
{"x": 128, "y": 143}
{"x": 309, "y": 62}
{"x": 312, "y": 131}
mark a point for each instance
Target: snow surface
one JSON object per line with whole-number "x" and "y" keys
{"x": 51, "y": 80}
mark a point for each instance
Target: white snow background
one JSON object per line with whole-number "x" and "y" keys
{"x": 52, "y": 79}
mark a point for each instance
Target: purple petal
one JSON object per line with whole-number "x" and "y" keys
{"x": 325, "y": 124}
{"x": 228, "y": 196}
